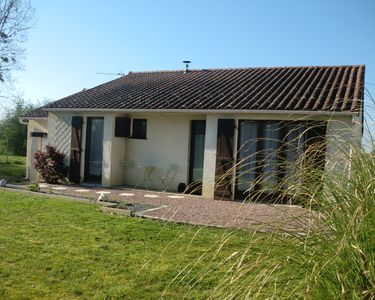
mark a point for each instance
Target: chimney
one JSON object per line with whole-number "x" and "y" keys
{"x": 186, "y": 62}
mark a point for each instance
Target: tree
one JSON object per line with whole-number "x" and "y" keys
{"x": 16, "y": 18}
{"x": 13, "y": 134}
{"x": 15, "y": 21}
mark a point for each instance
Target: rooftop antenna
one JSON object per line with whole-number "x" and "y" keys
{"x": 113, "y": 74}
{"x": 186, "y": 62}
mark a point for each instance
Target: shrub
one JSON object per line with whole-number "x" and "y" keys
{"x": 50, "y": 164}
{"x": 33, "y": 187}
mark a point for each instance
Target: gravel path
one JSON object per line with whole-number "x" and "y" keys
{"x": 200, "y": 211}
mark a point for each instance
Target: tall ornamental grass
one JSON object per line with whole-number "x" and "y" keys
{"x": 331, "y": 257}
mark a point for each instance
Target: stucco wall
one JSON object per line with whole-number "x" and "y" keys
{"x": 59, "y": 133}
{"x": 34, "y": 144}
{"x": 343, "y": 134}
{"x": 168, "y": 140}
{"x": 114, "y": 149}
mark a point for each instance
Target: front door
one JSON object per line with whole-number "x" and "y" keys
{"x": 94, "y": 150}
{"x": 197, "y": 139}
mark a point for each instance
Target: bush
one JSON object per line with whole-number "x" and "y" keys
{"x": 33, "y": 187}
{"x": 50, "y": 164}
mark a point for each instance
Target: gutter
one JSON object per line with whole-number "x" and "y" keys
{"x": 205, "y": 111}
{"x": 25, "y": 120}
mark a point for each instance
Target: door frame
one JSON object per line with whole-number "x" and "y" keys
{"x": 76, "y": 149}
{"x": 87, "y": 177}
{"x": 191, "y": 157}
{"x": 240, "y": 195}
{"x": 226, "y": 131}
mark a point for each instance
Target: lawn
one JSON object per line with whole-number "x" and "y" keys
{"x": 53, "y": 248}
{"x": 12, "y": 168}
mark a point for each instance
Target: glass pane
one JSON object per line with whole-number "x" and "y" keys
{"x": 139, "y": 128}
{"x": 270, "y": 161}
{"x": 246, "y": 156}
{"x": 294, "y": 148}
{"x": 96, "y": 147}
{"x": 198, "y": 139}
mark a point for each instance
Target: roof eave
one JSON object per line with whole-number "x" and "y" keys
{"x": 206, "y": 111}
{"x": 21, "y": 119}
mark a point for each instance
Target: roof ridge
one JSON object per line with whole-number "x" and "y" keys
{"x": 246, "y": 68}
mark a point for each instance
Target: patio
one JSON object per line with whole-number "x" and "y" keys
{"x": 196, "y": 210}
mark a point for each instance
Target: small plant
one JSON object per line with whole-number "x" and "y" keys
{"x": 50, "y": 164}
{"x": 122, "y": 205}
{"x": 33, "y": 187}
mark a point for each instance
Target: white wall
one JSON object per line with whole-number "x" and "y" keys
{"x": 168, "y": 139}
{"x": 343, "y": 134}
{"x": 168, "y": 142}
{"x": 34, "y": 144}
{"x": 209, "y": 163}
{"x": 59, "y": 133}
{"x": 114, "y": 149}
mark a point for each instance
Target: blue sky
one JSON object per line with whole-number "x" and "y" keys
{"x": 73, "y": 40}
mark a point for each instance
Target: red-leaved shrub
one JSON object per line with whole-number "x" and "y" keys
{"x": 50, "y": 164}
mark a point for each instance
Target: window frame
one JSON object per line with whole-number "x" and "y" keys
{"x": 280, "y": 151}
{"x": 138, "y": 133}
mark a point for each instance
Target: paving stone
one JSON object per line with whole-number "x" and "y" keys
{"x": 127, "y": 194}
{"x": 151, "y": 196}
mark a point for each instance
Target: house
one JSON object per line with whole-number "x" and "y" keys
{"x": 204, "y": 122}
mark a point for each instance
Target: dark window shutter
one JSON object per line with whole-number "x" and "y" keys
{"x": 75, "y": 150}
{"x": 224, "y": 158}
{"x": 122, "y": 127}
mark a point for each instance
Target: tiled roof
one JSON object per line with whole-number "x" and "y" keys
{"x": 321, "y": 88}
{"x": 36, "y": 113}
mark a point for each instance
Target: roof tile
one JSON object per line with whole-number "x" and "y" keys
{"x": 324, "y": 88}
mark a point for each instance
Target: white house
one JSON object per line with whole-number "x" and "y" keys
{"x": 198, "y": 124}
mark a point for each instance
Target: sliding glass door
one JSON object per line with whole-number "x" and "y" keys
{"x": 267, "y": 156}
{"x": 247, "y": 156}
{"x": 94, "y": 150}
{"x": 294, "y": 142}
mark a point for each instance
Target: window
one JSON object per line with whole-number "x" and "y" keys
{"x": 139, "y": 128}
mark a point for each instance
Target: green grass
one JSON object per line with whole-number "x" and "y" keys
{"x": 57, "y": 249}
{"x": 62, "y": 250}
{"x": 12, "y": 168}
